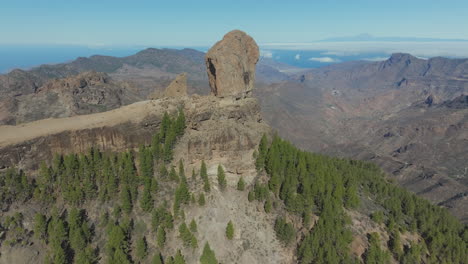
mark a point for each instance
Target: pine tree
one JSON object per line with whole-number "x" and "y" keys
{"x": 161, "y": 237}
{"x": 146, "y": 202}
{"x": 179, "y": 258}
{"x": 230, "y": 231}
{"x": 208, "y": 256}
{"x": 185, "y": 234}
{"x": 120, "y": 257}
{"x": 126, "y": 199}
{"x": 194, "y": 175}
{"x": 267, "y": 206}
{"x": 204, "y": 176}
{"x": 374, "y": 254}
{"x": 193, "y": 226}
{"x": 394, "y": 244}
{"x": 221, "y": 178}
{"x": 251, "y": 196}
{"x": 86, "y": 256}
{"x": 182, "y": 172}
{"x": 201, "y": 199}
{"x": 173, "y": 175}
{"x": 40, "y": 226}
{"x": 180, "y": 122}
{"x": 157, "y": 258}
{"x": 141, "y": 248}
{"x": 262, "y": 152}
{"x": 241, "y": 184}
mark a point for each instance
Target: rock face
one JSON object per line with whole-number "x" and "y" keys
{"x": 177, "y": 88}
{"x": 231, "y": 64}
{"x": 85, "y": 93}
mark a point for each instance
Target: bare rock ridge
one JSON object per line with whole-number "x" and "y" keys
{"x": 231, "y": 64}
{"x": 177, "y": 88}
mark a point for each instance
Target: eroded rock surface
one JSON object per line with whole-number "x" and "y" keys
{"x": 177, "y": 88}
{"x": 231, "y": 64}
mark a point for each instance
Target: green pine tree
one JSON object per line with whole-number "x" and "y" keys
{"x": 141, "y": 248}
{"x": 201, "y": 199}
{"x": 193, "y": 226}
{"x": 40, "y": 226}
{"x": 126, "y": 199}
{"x": 221, "y": 178}
{"x": 208, "y": 255}
{"x": 241, "y": 184}
{"x": 230, "y": 231}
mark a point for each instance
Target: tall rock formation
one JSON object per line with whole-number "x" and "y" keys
{"x": 231, "y": 64}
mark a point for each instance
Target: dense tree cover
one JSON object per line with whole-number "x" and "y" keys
{"x": 374, "y": 254}
{"x": 284, "y": 230}
{"x": 128, "y": 181}
{"x": 14, "y": 186}
{"x": 311, "y": 183}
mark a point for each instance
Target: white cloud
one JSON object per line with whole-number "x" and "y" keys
{"x": 266, "y": 54}
{"x": 297, "y": 57}
{"x": 419, "y": 49}
{"x": 339, "y": 53}
{"x": 324, "y": 59}
{"x": 375, "y": 59}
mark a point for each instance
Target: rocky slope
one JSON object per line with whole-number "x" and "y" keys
{"x": 344, "y": 109}
{"x": 85, "y": 93}
{"x": 393, "y": 112}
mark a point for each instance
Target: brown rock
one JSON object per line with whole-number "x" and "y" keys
{"x": 231, "y": 63}
{"x": 177, "y": 88}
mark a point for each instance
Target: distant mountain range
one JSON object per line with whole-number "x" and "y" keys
{"x": 406, "y": 114}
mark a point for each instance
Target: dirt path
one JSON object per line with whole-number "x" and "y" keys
{"x": 135, "y": 113}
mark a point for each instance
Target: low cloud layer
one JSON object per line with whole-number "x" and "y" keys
{"x": 325, "y": 59}
{"x": 420, "y": 49}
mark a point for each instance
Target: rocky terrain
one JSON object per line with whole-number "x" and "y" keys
{"x": 401, "y": 113}
{"x": 283, "y": 202}
{"x": 393, "y": 112}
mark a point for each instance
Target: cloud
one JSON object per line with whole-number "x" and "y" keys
{"x": 339, "y": 53}
{"x": 325, "y": 59}
{"x": 375, "y": 59}
{"x": 266, "y": 54}
{"x": 419, "y": 49}
{"x": 297, "y": 57}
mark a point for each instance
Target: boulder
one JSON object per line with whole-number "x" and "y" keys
{"x": 231, "y": 64}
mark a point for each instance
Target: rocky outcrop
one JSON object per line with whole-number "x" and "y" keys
{"x": 177, "y": 88}
{"x": 231, "y": 64}
{"x": 79, "y": 81}
{"x": 214, "y": 129}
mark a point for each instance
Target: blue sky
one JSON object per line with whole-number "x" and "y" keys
{"x": 192, "y": 23}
